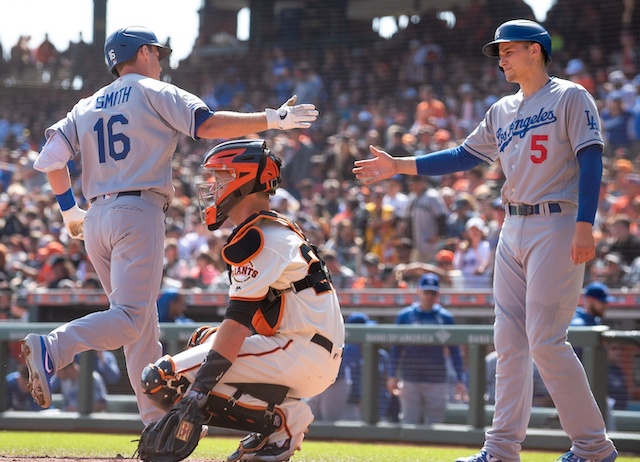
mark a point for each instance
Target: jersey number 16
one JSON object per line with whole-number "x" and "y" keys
{"x": 112, "y": 138}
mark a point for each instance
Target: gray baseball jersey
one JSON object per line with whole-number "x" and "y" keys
{"x": 126, "y": 134}
{"x": 548, "y": 128}
{"x": 536, "y": 284}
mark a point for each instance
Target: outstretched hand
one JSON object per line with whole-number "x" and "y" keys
{"x": 290, "y": 115}
{"x": 380, "y": 167}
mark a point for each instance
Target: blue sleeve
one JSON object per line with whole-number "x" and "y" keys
{"x": 202, "y": 114}
{"x": 590, "y": 160}
{"x": 446, "y": 161}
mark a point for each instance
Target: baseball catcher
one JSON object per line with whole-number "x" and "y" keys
{"x": 282, "y": 334}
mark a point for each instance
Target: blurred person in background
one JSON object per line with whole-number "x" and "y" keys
{"x": 418, "y": 373}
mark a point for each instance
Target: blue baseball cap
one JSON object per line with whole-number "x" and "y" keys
{"x": 599, "y": 291}
{"x": 358, "y": 317}
{"x": 429, "y": 281}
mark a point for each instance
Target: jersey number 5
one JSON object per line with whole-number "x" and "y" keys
{"x": 114, "y": 139}
{"x": 536, "y": 145}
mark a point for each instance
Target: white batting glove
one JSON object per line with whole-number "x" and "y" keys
{"x": 74, "y": 221}
{"x": 289, "y": 116}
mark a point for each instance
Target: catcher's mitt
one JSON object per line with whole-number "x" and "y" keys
{"x": 174, "y": 436}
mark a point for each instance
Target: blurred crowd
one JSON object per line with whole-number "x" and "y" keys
{"x": 422, "y": 90}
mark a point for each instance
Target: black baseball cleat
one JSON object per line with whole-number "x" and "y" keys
{"x": 255, "y": 447}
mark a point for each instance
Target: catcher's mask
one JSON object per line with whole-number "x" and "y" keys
{"x": 233, "y": 170}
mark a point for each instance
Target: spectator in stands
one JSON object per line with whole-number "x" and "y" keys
{"x": 374, "y": 274}
{"x": 67, "y": 382}
{"x": 430, "y": 110}
{"x": 347, "y": 244}
{"x": 616, "y": 125}
{"x": 172, "y": 307}
{"x": 21, "y": 58}
{"x": 204, "y": 272}
{"x": 427, "y": 215}
{"x": 380, "y": 231}
{"x": 473, "y": 255}
{"x": 47, "y": 58}
{"x": 594, "y": 306}
{"x": 175, "y": 267}
{"x": 18, "y": 395}
{"x": 342, "y": 276}
{"x": 617, "y": 379}
{"x": 496, "y": 221}
{"x": 419, "y": 372}
{"x": 396, "y": 197}
{"x": 622, "y": 240}
{"x": 596, "y": 300}
{"x": 464, "y": 207}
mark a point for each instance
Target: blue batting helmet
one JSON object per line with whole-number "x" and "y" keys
{"x": 124, "y": 43}
{"x": 520, "y": 30}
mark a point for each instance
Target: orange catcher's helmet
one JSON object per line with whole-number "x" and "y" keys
{"x": 231, "y": 171}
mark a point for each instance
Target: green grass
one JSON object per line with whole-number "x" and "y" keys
{"x": 98, "y": 445}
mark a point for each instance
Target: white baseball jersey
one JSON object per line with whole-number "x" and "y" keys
{"x": 548, "y": 127}
{"x": 282, "y": 352}
{"x": 284, "y": 259}
{"x": 127, "y": 132}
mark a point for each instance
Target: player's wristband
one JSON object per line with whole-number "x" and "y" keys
{"x": 66, "y": 200}
{"x": 213, "y": 368}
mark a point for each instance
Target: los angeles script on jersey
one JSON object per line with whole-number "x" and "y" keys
{"x": 113, "y": 98}
{"x": 520, "y": 127}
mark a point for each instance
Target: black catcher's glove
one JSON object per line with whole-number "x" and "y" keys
{"x": 174, "y": 436}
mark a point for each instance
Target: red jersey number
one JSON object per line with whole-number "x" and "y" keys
{"x": 536, "y": 145}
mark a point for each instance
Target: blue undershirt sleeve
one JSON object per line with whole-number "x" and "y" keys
{"x": 590, "y": 160}
{"x": 446, "y": 161}
{"x": 202, "y": 114}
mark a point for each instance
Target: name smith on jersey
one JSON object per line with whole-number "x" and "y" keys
{"x": 114, "y": 98}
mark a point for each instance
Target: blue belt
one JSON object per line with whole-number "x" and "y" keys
{"x": 526, "y": 209}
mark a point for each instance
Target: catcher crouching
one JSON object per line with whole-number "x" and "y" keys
{"x": 282, "y": 335}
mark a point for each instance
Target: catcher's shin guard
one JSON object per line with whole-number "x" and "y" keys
{"x": 227, "y": 412}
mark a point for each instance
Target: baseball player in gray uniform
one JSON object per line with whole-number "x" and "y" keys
{"x": 547, "y": 137}
{"x": 282, "y": 335}
{"x": 126, "y": 134}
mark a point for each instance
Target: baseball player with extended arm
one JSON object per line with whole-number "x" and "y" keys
{"x": 282, "y": 335}
{"x": 126, "y": 134}
{"x": 547, "y": 137}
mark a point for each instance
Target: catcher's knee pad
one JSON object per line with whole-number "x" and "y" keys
{"x": 200, "y": 335}
{"x": 161, "y": 385}
{"x": 227, "y": 412}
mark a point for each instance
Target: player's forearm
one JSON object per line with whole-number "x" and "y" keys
{"x": 446, "y": 161}
{"x": 59, "y": 180}
{"x": 229, "y": 338}
{"x": 227, "y": 124}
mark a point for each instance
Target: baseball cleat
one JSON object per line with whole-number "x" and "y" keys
{"x": 255, "y": 447}
{"x": 41, "y": 368}
{"x": 482, "y": 456}
{"x": 571, "y": 457}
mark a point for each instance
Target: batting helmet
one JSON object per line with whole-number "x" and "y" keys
{"x": 520, "y": 30}
{"x": 233, "y": 170}
{"x": 123, "y": 44}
